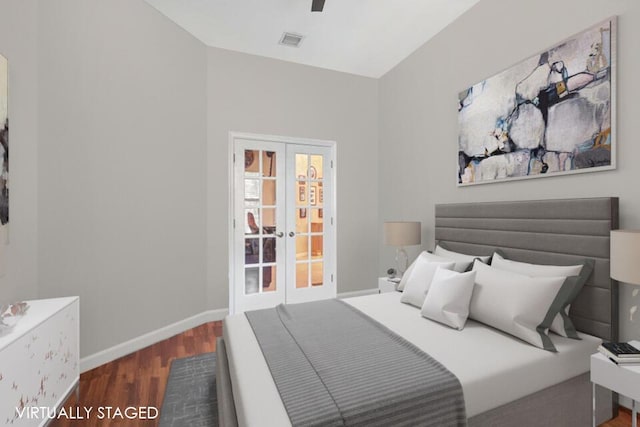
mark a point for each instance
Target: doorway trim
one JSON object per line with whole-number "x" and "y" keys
{"x": 233, "y": 135}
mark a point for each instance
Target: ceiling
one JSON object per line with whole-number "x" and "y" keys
{"x": 364, "y": 37}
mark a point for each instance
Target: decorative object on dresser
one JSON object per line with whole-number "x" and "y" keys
{"x": 39, "y": 360}
{"x": 551, "y": 114}
{"x": 401, "y": 234}
{"x": 10, "y": 314}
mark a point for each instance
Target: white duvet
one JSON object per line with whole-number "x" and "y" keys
{"x": 493, "y": 368}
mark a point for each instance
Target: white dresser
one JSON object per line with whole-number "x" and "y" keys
{"x": 39, "y": 361}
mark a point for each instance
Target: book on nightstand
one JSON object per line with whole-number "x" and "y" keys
{"x": 620, "y": 353}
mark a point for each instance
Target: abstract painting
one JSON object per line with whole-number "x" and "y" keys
{"x": 4, "y": 159}
{"x": 550, "y": 114}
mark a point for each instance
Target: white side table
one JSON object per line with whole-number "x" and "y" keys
{"x": 386, "y": 285}
{"x": 621, "y": 379}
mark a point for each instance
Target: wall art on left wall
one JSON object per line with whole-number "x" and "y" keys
{"x": 551, "y": 114}
{"x": 4, "y": 159}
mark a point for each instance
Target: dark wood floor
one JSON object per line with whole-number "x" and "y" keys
{"x": 623, "y": 419}
{"x": 140, "y": 378}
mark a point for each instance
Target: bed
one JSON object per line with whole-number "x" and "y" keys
{"x": 505, "y": 381}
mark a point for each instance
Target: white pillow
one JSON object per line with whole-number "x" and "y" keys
{"x": 463, "y": 261}
{"x": 562, "y": 324}
{"x": 419, "y": 281}
{"x": 426, "y": 256}
{"x": 534, "y": 270}
{"x": 519, "y": 305}
{"x": 448, "y": 298}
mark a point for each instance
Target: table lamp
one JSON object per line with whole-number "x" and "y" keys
{"x": 625, "y": 256}
{"x": 401, "y": 234}
{"x": 625, "y": 260}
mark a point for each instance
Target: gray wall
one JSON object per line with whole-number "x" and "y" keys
{"x": 418, "y": 115}
{"x": 134, "y": 116}
{"x": 122, "y": 167}
{"x": 248, "y": 93}
{"x": 18, "y": 43}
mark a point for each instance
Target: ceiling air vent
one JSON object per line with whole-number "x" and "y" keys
{"x": 291, "y": 39}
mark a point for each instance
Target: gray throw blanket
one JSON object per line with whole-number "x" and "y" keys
{"x": 335, "y": 366}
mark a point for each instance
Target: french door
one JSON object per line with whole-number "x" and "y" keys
{"x": 284, "y": 223}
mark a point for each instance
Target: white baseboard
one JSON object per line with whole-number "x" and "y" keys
{"x": 364, "y": 292}
{"x": 107, "y": 355}
{"x": 624, "y": 401}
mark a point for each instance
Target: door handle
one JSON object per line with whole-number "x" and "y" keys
{"x": 291, "y": 234}
{"x": 279, "y": 234}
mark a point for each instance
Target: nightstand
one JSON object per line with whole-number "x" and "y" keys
{"x": 386, "y": 285}
{"x": 621, "y": 379}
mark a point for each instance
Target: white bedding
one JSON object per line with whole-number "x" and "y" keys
{"x": 493, "y": 368}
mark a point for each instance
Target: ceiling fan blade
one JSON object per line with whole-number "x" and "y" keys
{"x": 317, "y": 5}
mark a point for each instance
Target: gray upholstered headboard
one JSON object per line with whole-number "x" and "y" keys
{"x": 544, "y": 232}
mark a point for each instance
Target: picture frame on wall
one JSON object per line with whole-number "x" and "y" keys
{"x": 551, "y": 114}
{"x": 312, "y": 195}
{"x": 301, "y": 192}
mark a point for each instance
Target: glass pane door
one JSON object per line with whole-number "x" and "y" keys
{"x": 283, "y": 228}
{"x": 309, "y": 220}
{"x": 259, "y": 203}
{"x": 309, "y": 194}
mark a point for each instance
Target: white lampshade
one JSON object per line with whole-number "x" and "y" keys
{"x": 625, "y": 256}
{"x": 402, "y": 233}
